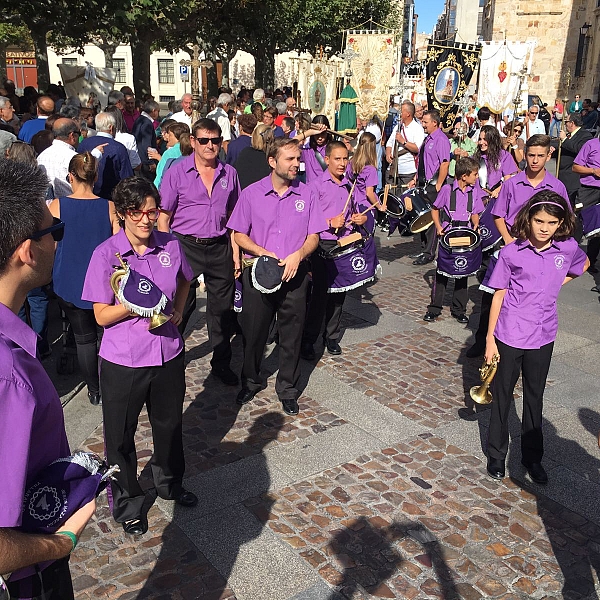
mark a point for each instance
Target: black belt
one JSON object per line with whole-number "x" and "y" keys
{"x": 222, "y": 239}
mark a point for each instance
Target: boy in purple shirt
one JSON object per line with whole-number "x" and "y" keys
{"x": 32, "y": 431}
{"x": 461, "y": 204}
{"x": 523, "y": 322}
{"x": 335, "y": 196}
{"x": 279, "y": 217}
{"x": 514, "y": 194}
{"x": 141, "y": 366}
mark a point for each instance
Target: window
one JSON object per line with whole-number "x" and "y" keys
{"x": 166, "y": 99}
{"x": 119, "y": 67}
{"x": 69, "y": 61}
{"x": 166, "y": 70}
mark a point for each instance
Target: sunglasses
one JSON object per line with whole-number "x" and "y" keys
{"x": 138, "y": 215}
{"x": 203, "y": 141}
{"x": 57, "y": 230}
{"x": 534, "y": 112}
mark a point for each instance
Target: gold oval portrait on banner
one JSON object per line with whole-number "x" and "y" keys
{"x": 317, "y": 96}
{"x": 446, "y": 85}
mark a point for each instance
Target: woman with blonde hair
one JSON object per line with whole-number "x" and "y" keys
{"x": 363, "y": 168}
{"x": 89, "y": 221}
{"x": 252, "y": 164}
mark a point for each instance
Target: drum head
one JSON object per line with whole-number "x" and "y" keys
{"x": 395, "y": 206}
{"x": 470, "y": 240}
{"x": 422, "y": 222}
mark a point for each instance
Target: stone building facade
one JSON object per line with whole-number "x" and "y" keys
{"x": 567, "y": 36}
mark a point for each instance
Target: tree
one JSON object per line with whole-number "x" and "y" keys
{"x": 12, "y": 35}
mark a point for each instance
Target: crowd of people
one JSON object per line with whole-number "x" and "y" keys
{"x": 121, "y": 215}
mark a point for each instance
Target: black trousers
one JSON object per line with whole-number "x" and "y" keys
{"x": 53, "y": 583}
{"x": 215, "y": 261}
{"x": 322, "y": 306}
{"x": 125, "y": 391}
{"x": 459, "y": 297}
{"x": 289, "y": 304}
{"x": 534, "y": 365}
{"x": 86, "y": 333}
{"x": 429, "y": 237}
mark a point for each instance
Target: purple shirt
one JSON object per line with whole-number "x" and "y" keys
{"x": 532, "y": 280}
{"x": 507, "y": 166}
{"x": 368, "y": 177}
{"x": 589, "y": 156}
{"x": 462, "y": 199}
{"x": 435, "y": 151}
{"x": 129, "y": 342}
{"x": 195, "y": 212}
{"x": 278, "y": 224}
{"x": 32, "y": 430}
{"x": 517, "y": 191}
{"x": 332, "y": 199}
{"x": 314, "y": 170}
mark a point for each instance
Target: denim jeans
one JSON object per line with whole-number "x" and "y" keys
{"x": 38, "y": 301}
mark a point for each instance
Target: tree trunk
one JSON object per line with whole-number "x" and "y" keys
{"x": 140, "y": 56}
{"x": 3, "y": 62}
{"x": 269, "y": 69}
{"x": 259, "y": 69}
{"x": 41, "y": 57}
{"x": 108, "y": 50}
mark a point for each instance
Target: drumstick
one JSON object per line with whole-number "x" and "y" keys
{"x": 346, "y": 137}
{"x": 364, "y": 212}
{"x": 386, "y": 191}
{"x": 347, "y": 202}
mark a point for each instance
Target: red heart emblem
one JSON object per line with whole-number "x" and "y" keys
{"x": 502, "y": 76}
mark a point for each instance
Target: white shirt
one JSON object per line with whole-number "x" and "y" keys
{"x": 536, "y": 126}
{"x": 220, "y": 116}
{"x": 55, "y": 160}
{"x": 413, "y": 132}
{"x": 373, "y": 128}
{"x": 129, "y": 142}
{"x": 181, "y": 117}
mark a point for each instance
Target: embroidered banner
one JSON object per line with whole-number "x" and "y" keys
{"x": 81, "y": 81}
{"x": 450, "y": 67}
{"x": 499, "y": 68}
{"x": 372, "y": 70}
{"x": 317, "y": 79}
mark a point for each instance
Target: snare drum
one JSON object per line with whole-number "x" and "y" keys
{"x": 419, "y": 217}
{"x": 350, "y": 266}
{"x": 395, "y": 207}
{"x": 488, "y": 231}
{"x": 590, "y": 219}
{"x": 459, "y": 253}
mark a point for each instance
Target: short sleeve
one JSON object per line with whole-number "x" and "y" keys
{"x": 240, "y": 217}
{"x": 316, "y": 219}
{"x": 582, "y": 156}
{"x": 371, "y": 177}
{"x": 443, "y": 198}
{"x": 500, "y": 278}
{"x": 478, "y": 206}
{"x": 508, "y": 164}
{"x": 168, "y": 191}
{"x": 96, "y": 287}
{"x": 392, "y": 138}
{"x": 501, "y": 206}
{"x": 185, "y": 269}
{"x": 577, "y": 262}
{"x": 235, "y": 192}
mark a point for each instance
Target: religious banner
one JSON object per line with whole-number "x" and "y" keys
{"x": 372, "y": 70}
{"x": 317, "y": 83}
{"x": 449, "y": 68}
{"x": 81, "y": 81}
{"x": 499, "y": 70}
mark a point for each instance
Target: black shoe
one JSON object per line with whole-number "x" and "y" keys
{"x": 596, "y": 289}
{"x": 307, "y": 351}
{"x": 537, "y": 473}
{"x": 463, "y": 319}
{"x": 496, "y": 468}
{"x": 290, "y": 407}
{"x": 244, "y": 396}
{"x": 415, "y": 255}
{"x": 476, "y": 350}
{"x": 333, "y": 347}
{"x": 430, "y": 317}
{"x": 95, "y": 398}
{"x": 226, "y": 375}
{"x": 423, "y": 260}
{"x": 186, "y": 498}
{"x": 136, "y": 526}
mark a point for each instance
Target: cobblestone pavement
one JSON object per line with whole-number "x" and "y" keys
{"x": 376, "y": 490}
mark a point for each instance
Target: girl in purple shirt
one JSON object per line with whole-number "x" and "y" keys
{"x": 523, "y": 323}
{"x": 141, "y": 366}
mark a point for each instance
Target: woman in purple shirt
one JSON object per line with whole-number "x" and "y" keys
{"x": 498, "y": 163}
{"x": 141, "y": 366}
{"x": 313, "y": 156}
{"x": 527, "y": 278}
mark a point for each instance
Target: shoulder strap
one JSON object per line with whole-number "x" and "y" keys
{"x": 453, "y": 201}
{"x": 320, "y": 159}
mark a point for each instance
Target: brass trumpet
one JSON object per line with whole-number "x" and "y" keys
{"x": 481, "y": 393}
{"x": 115, "y": 279}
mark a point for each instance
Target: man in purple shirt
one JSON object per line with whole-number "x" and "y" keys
{"x": 32, "y": 432}
{"x": 514, "y": 194}
{"x": 432, "y": 170}
{"x": 279, "y": 217}
{"x": 198, "y": 195}
{"x": 587, "y": 164}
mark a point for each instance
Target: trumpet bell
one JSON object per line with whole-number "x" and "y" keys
{"x": 158, "y": 320}
{"x": 480, "y": 394}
